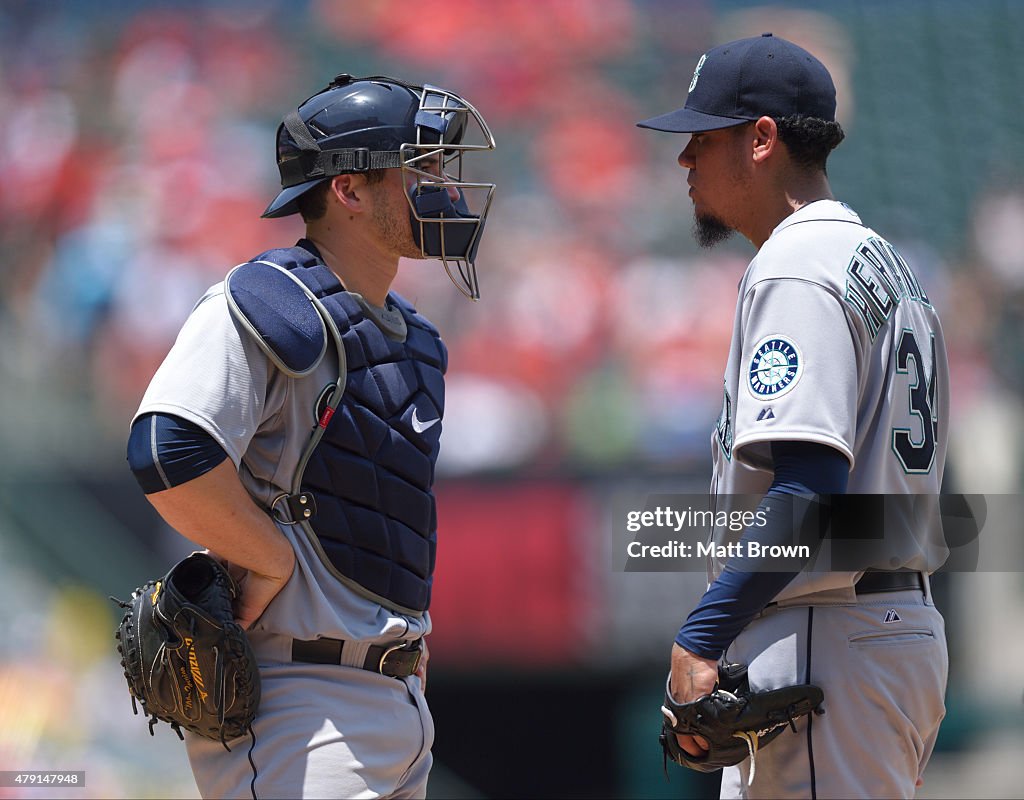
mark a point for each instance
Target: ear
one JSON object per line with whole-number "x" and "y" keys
{"x": 765, "y": 139}
{"x": 350, "y": 192}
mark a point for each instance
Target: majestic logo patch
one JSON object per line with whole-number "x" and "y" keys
{"x": 775, "y": 367}
{"x": 696, "y": 72}
{"x": 891, "y": 616}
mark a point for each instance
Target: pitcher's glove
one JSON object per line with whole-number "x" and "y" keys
{"x": 185, "y": 658}
{"x": 734, "y": 720}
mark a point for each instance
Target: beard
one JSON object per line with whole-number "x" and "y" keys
{"x": 709, "y": 230}
{"x": 393, "y": 224}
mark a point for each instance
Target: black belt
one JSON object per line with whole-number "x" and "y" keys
{"x": 875, "y": 581}
{"x": 396, "y": 660}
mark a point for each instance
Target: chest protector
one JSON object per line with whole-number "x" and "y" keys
{"x": 363, "y": 488}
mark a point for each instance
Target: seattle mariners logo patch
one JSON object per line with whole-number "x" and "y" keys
{"x": 775, "y": 367}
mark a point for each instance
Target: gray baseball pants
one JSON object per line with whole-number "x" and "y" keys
{"x": 882, "y": 664}
{"x": 324, "y": 731}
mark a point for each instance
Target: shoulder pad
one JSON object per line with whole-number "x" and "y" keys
{"x": 288, "y": 257}
{"x": 274, "y": 306}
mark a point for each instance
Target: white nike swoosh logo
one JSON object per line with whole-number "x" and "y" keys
{"x": 418, "y": 425}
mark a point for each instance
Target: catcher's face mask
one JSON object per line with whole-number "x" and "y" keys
{"x": 360, "y": 124}
{"x": 447, "y": 129}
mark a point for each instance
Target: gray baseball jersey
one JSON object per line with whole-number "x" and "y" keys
{"x": 836, "y": 342}
{"x": 217, "y": 377}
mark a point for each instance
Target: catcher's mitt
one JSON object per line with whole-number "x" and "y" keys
{"x": 734, "y": 720}
{"x": 185, "y": 658}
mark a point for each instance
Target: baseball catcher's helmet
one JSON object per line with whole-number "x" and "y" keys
{"x": 359, "y": 124}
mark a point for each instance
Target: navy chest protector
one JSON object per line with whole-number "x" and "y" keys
{"x": 363, "y": 488}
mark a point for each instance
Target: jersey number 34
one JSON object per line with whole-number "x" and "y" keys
{"x": 917, "y": 456}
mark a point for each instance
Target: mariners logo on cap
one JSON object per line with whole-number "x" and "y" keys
{"x": 775, "y": 367}
{"x": 696, "y": 72}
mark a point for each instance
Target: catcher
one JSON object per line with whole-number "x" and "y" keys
{"x": 293, "y": 429}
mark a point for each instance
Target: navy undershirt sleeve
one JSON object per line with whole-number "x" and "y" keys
{"x": 802, "y": 470}
{"x": 165, "y": 451}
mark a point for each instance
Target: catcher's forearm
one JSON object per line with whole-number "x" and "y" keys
{"x": 215, "y": 511}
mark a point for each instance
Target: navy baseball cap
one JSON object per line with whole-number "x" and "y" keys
{"x": 748, "y": 79}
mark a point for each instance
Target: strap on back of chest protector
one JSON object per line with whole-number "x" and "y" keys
{"x": 290, "y": 325}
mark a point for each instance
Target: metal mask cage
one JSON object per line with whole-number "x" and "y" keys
{"x": 463, "y": 131}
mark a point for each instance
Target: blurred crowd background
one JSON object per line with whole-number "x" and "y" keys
{"x": 136, "y": 155}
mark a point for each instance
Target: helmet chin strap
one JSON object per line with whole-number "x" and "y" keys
{"x": 445, "y": 229}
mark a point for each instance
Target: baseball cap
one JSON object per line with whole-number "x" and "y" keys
{"x": 747, "y": 79}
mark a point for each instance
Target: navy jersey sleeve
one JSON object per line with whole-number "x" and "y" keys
{"x": 802, "y": 469}
{"x": 165, "y": 451}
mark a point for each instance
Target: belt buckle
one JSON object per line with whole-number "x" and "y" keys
{"x": 396, "y": 648}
